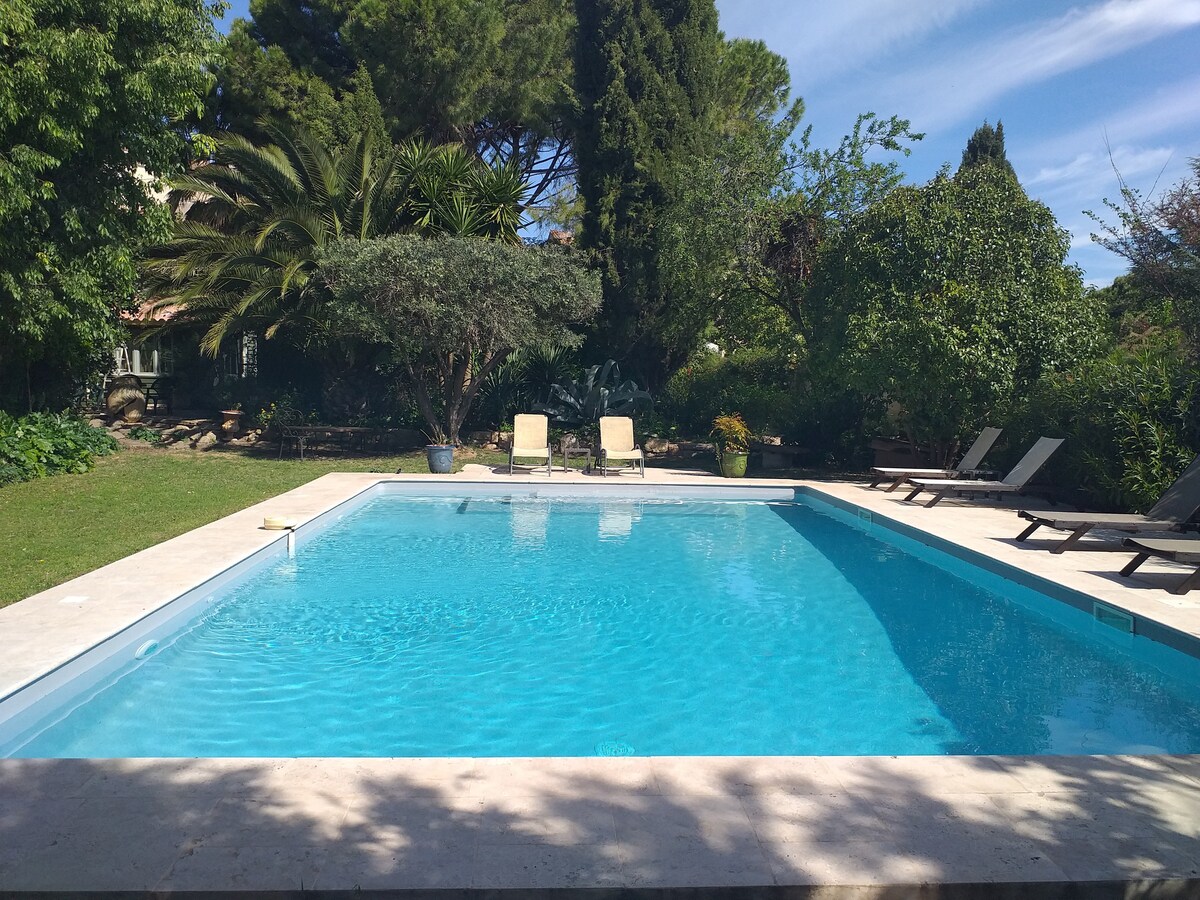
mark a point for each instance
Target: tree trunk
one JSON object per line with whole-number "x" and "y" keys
{"x": 466, "y": 390}
{"x": 436, "y": 432}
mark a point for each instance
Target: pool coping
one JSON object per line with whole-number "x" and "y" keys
{"x": 117, "y": 596}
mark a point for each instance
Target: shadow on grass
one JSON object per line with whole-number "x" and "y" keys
{"x": 927, "y": 827}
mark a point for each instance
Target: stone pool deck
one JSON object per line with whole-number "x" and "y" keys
{"x": 775, "y": 826}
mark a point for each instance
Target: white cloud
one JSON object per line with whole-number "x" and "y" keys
{"x": 1161, "y": 113}
{"x": 1088, "y": 172}
{"x": 959, "y": 86}
{"x": 823, "y": 40}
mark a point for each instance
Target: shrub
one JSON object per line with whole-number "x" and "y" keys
{"x": 49, "y": 444}
{"x": 1130, "y": 420}
{"x": 775, "y": 394}
{"x": 754, "y": 382}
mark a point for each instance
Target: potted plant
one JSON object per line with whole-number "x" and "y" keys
{"x": 732, "y": 444}
{"x": 440, "y": 458}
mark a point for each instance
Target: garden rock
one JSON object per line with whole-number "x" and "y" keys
{"x": 206, "y": 441}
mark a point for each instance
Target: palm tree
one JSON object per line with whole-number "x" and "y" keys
{"x": 251, "y": 224}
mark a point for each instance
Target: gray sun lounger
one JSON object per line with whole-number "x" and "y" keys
{"x": 1013, "y": 482}
{"x": 1181, "y": 550}
{"x": 1174, "y": 508}
{"x": 969, "y": 463}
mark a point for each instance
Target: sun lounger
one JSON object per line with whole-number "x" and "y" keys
{"x": 531, "y": 441}
{"x": 969, "y": 463}
{"x": 1181, "y": 550}
{"x": 1013, "y": 482}
{"x": 1174, "y": 508}
{"x": 616, "y": 443}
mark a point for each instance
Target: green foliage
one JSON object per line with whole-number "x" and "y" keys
{"x": 986, "y": 148}
{"x": 144, "y": 433}
{"x": 1131, "y": 422}
{"x": 452, "y": 309}
{"x": 951, "y": 300}
{"x": 92, "y": 93}
{"x": 732, "y": 433}
{"x": 758, "y": 383}
{"x": 646, "y": 81}
{"x": 1161, "y": 240}
{"x": 739, "y": 245}
{"x": 42, "y": 444}
{"x": 524, "y": 378}
{"x": 600, "y": 392}
{"x": 261, "y": 84}
{"x": 493, "y": 74}
{"x": 245, "y": 250}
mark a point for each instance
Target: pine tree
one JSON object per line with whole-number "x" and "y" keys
{"x": 646, "y": 82}
{"x": 986, "y": 147}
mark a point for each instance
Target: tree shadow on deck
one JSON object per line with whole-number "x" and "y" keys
{"x": 756, "y": 824}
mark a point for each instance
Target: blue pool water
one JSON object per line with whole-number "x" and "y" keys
{"x": 534, "y": 627}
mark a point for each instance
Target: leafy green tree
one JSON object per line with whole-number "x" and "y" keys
{"x": 451, "y": 310}
{"x": 492, "y": 74}
{"x": 1161, "y": 240}
{"x": 951, "y": 299}
{"x": 741, "y": 242}
{"x": 262, "y": 85}
{"x": 91, "y": 96}
{"x": 254, "y": 220}
{"x": 646, "y": 80}
{"x": 753, "y": 86}
{"x": 986, "y": 148}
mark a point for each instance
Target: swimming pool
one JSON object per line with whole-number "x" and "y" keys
{"x": 522, "y": 625}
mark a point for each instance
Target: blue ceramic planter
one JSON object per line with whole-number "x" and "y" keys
{"x": 441, "y": 458}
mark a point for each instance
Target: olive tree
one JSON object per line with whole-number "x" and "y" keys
{"x": 452, "y": 309}
{"x": 950, "y": 300}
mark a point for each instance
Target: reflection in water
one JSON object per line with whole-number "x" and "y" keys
{"x": 617, "y": 518}
{"x": 530, "y": 520}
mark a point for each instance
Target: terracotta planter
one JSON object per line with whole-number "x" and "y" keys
{"x": 232, "y": 424}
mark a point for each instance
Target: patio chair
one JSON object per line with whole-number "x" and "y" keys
{"x": 1013, "y": 482}
{"x": 290, "y": 426}
{"x": 531, "y": 440}
{"x": 616, "y": 443}
{"x": 969, "y": 463}
{"x": 1174, "y": 508}
{"x": 160, "y": 391}
{"x": 1180, "y": 550}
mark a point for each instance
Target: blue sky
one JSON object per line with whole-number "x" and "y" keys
{"x": 1074, "y": 84}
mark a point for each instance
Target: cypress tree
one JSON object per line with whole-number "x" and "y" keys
{"x": 986, "y": 147}
{"x": 646, "y": 82}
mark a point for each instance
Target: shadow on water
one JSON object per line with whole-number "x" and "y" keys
{"x": 337, "y": 827}
{"x": 1009, "y": 680}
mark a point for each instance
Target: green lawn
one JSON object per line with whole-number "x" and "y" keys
{"x": 54, "y": 529}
